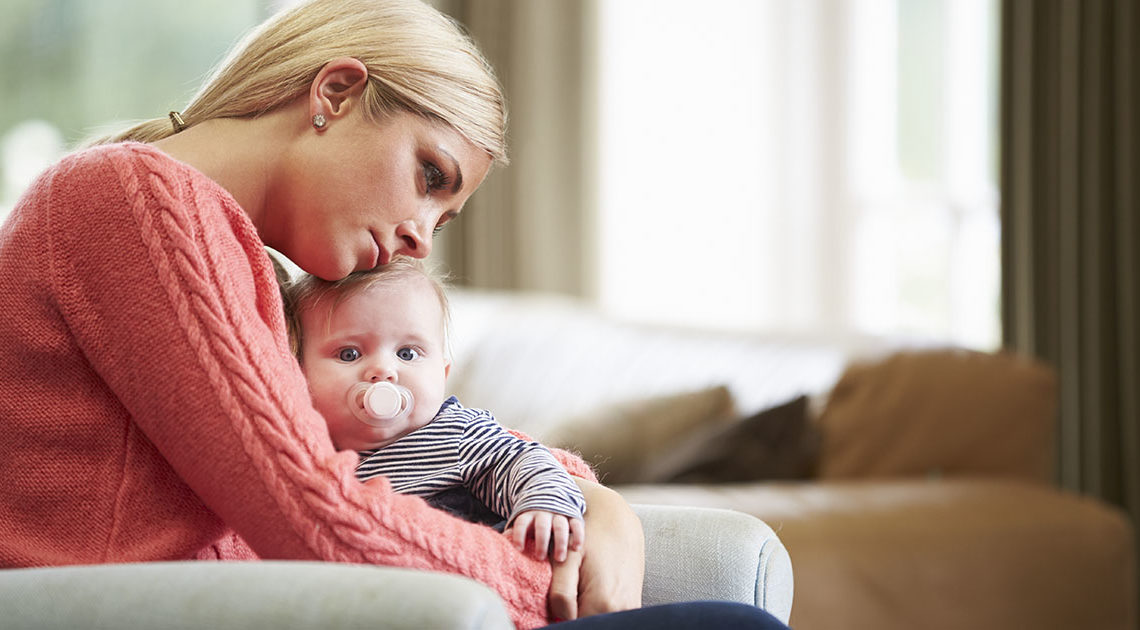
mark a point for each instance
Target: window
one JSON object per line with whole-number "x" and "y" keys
{"x": 73, "y": 70}
{"x": 801, "y": 165}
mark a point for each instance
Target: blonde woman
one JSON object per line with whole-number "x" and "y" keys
{"x": 151, "y": 405}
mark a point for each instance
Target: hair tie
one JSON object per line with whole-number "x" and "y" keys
{"x": 176, "y": 120}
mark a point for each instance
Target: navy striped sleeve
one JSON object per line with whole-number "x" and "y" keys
{"x": 512, "y": 475}
{"x": 466, "y": 447}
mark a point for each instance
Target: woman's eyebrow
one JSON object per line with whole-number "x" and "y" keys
{"x": 458, "y": 185}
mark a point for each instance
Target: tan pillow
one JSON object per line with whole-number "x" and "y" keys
{"x": 775, "y": 443}
{"x": 941, "y": 412}
{"x": 623, "y": 441}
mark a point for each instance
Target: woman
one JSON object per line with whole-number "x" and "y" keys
{"x": 153, "y": 407}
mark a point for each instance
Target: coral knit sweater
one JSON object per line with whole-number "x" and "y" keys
{"x": 151, "y": 409}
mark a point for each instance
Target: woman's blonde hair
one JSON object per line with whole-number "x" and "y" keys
{"x": 307, "y": 292}
{"x": 418, "y": 60}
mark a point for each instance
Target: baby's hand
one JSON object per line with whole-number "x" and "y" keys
{"x": 547, "y": 530}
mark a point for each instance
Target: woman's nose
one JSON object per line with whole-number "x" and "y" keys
{"x": 413, "y": 242}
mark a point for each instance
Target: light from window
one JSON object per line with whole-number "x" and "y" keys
{"x": 800, "y": 165}
{"x": 72, "y": 71}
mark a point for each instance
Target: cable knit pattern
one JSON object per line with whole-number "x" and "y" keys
{"x": 154, "y": 410}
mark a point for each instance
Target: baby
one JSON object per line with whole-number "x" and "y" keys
{"x": 391, "y": 325}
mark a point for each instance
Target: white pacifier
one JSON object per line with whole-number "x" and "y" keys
{"x": 380, "y": 403}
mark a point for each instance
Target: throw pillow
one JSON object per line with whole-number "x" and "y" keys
{"x": 779, "y": 443}
{"x": 623, "y": 441}
{"x": 941, "y": 412}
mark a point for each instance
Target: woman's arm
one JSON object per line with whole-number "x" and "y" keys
{"x": 607, "y": 575}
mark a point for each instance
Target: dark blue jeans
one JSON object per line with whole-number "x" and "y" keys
{"x": 687, "y": 615}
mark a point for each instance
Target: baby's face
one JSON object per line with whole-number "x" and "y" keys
{"x": 388, "y": 332}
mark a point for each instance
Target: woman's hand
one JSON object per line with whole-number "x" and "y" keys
{"x": 607, "y": 574}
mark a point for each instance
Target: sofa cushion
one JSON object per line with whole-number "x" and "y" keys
{"x": 940, "y": 412}
{"x": 625, "y": 441}
{"x": 538, "y": 360}
{"x": 776, "y": 443}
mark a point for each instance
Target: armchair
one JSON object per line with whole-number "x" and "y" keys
{"x": 691, "y": 554}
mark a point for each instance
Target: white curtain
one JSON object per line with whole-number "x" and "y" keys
{"x": 812, "y": 165}
{"x": 528, "y": 225}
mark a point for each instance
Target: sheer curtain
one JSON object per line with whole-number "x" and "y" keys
{"x": 528, "y": 227}
{"x": 818, "y": 165}
{"x": 813, "y": 165}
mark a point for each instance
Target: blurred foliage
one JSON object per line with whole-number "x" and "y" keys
{"x": 90, "y": 66}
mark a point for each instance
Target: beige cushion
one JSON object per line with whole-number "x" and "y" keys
{"x": 625, "y": 440}
{"x": 940, "y": 412}
{"x": 776, "y": 443}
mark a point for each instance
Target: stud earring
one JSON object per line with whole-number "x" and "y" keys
{"x": 319, "y": 121}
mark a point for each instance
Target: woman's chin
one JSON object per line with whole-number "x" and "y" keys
{"x": 331, "y": 270}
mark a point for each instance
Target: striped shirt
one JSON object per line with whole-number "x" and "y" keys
{"x": 466, "y": 447}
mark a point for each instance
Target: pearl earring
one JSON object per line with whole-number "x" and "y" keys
{"x": 319, "y": 121}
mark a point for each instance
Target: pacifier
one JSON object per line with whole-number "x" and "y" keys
{"x": 380, "y": 403}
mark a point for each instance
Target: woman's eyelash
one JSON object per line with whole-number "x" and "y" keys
{"x": 435, "y": 178}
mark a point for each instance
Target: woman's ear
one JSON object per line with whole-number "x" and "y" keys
{"x": 337, "y": 88}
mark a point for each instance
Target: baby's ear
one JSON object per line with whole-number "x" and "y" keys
{"x": 446, "y": 370}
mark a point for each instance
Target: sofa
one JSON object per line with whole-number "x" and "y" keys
{"x": 911, "y": 484}
{"x": 692, "y": 553}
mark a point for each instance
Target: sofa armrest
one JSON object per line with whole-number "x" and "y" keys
{"x": 271, "y": 594}
{"x": 691, "y": 554}
{"x": 712, "y": 554}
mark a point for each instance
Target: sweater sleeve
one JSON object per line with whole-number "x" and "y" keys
{"x": 168, "y": 293}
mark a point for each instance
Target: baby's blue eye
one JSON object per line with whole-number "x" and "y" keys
{"x": 407, "y": 354}
{"x": 348, "y": 355}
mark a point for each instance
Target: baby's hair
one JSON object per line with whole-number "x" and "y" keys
{"x": 308, "y": 291}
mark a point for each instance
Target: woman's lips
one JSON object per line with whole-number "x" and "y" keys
{"x": 379, "y": 254}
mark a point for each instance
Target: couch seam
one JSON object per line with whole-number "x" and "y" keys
{"x": 760, "y": 590}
